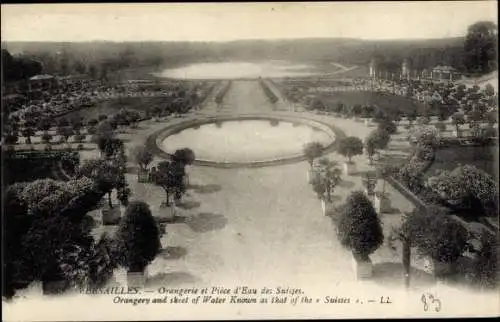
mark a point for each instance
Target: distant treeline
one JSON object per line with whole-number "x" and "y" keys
{"x": 475, "y": 53}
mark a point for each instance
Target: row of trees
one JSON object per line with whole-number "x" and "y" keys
{"x": 219, "y": 97}
{"x": 268, "y": 92}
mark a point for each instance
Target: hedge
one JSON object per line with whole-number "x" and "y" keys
{"x": 269, "y": 93}
{"x": 222, "y": 93}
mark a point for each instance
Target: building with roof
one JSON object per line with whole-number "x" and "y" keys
{"x": 42, "y": 82}
{"x": 445, "y": 72}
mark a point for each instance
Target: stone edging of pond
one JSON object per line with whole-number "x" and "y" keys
{"x": 156, "y": 138}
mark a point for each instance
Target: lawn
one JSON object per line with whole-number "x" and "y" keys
{"x": 112, "y": 106}
{"x": 485, "y": 158}
{"x": 387, "y": 101}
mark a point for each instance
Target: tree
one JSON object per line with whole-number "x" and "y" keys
{"x": 313, "y": 150}
{"x": 384, "y": 172}
{"x": 65, "y": 132}
{"x": 44, "y": 124}
{"x": 138, "y": 237}
{"x": 62, "y": 122}
{"x": 170, "y": 176}
{"x": 48, "y": 236}
{"x": 11, "y": 138}
{"x": 412, "y": 116}
{"x": 327, "y": 179}
{"x": 46, "y": 137}
{"x": 142, "y": 156}
{"x": 480, "y": 47}
{"x": 359, "y": 228}
{"x": 388, "y": 126}
{"x": 28, "y": 132}
{"x": 350, "y": 147}
{"x": 184, "y": 156}
{"x": 440, "y": 127}
{"x": 435, "y": 234}
{"x": 76, "y": 123}
{"x": 105, "y": 173}
{"x": 458, "y": 119}
{"x": 489, "y": 90}
{"x": 109, "y": 146}
{"x": 376, "y": 140}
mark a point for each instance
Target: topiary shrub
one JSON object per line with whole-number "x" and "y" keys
{"x": 138, "y": 237}
{"x": 359, "y": 228}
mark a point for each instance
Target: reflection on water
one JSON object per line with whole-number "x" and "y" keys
{"x": 238, "y": 70}
{"x": 245, "y": 141}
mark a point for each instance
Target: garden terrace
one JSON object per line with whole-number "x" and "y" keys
{"x": 392, "y": 104}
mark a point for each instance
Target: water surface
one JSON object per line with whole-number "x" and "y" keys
{"x": 234, "y": 70}
{"x": 246, "y": 140}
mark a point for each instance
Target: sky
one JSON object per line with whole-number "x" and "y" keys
{"x": 232, "y": 21}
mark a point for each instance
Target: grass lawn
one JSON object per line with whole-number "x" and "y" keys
{"x": 112, "y": 106}
{"x": 387, "y": 101}
{"x": 484, "y": 158}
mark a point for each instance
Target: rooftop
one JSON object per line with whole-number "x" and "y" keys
{"x": 444, "y": 68}
{"x": 42, "y": 77}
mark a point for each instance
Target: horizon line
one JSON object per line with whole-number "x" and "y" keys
{"x": 229, "y": 41}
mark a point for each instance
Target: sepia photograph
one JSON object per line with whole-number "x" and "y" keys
{"x": 251, "y": 160}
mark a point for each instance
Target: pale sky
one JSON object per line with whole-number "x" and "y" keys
{"x": 231, "y": 21}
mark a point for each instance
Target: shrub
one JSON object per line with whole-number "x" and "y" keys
{"x": 424, "y": 152}
{"x": 486, "y": 262}
{"x": 425, "y": 135}
{"x": 467, "y": 183}
{"x": 350, "y": 147}
{"x": 359, "y": 228}
{"x": 138, "y": 237}
{"x": 411, "y": 175}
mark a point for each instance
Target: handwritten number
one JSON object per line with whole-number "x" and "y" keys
{"x": 436, "y": 303}
{"x": 424, "y": 300}
{"x": 438, "y": 307}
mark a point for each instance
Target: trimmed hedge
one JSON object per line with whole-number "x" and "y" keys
{"x": 269, "y": 93}
{"x": 222, "y": 93}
